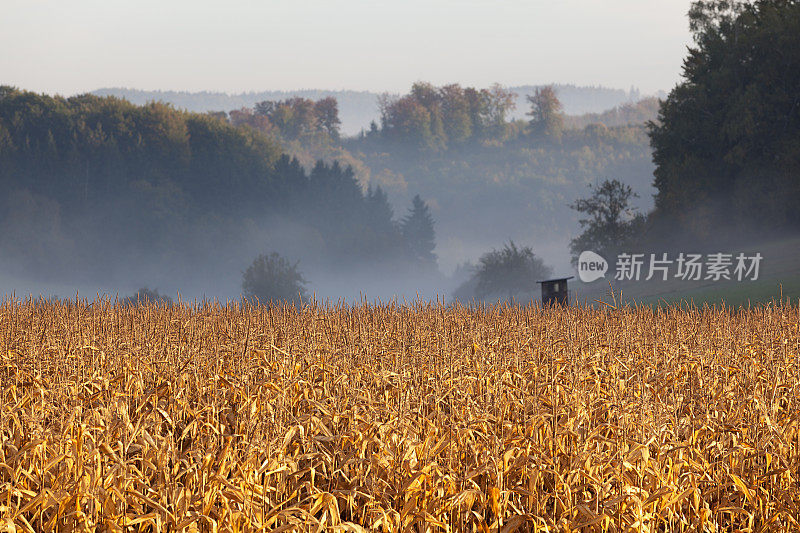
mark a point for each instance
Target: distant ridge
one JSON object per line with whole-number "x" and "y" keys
{"x": 358, "y": 108}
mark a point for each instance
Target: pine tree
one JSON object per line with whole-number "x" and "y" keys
{"x": 418, "y": 232}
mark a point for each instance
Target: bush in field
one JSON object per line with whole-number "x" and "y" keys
{"x": 146, "y": 296}
{"x": 505, "y": 273}
{"x": 274, "y": 278}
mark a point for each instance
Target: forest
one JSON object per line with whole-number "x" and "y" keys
{"x": 101, "y": 189}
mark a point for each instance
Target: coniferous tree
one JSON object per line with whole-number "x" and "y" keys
{"x": 378, "y": 210}
{"x": 379, "y": 234}
{"x": 417, "y": 229}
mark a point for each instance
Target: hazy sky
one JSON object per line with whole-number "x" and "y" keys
{"x": 67, "y": 47}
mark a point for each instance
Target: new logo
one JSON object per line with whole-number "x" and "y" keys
{"x": 591, "y": 266}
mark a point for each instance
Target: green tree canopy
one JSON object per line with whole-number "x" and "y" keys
{"x": 727, "y": 138}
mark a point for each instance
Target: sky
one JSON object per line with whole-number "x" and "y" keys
{"x": 70, "y": 47}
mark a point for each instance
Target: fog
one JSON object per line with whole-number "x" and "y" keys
{"x": 44, "y": 257}
{"x": 212, "y": 267}
{"x": 204, "y": 265}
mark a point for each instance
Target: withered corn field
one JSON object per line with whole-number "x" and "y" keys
{"x": 209, "y": 417}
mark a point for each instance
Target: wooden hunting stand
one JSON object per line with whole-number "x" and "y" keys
{"x": 554, "y": 291}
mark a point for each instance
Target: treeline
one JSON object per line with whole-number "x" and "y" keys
{"x": 358, "y": 108}
{"x": 85, "y": 150}
{"x": 723, "y": 147}
{"x": 435, "y": 119}
{"x": 101, "y": 187}
{"x": 94, "y": 183}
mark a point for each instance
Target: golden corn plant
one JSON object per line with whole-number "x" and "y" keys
{"x": 394, "y": 418}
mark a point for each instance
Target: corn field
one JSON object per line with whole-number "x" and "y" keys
{"x": 420, "y": 417}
